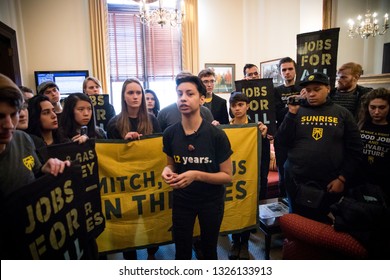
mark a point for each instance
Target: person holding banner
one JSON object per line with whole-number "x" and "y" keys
{"x": 93, "y": 87}
{"x": 133, "y": 122}
{"x": 77, "y": 113}
{"x": 43, "y": 124}
{"x": 198, "y": 166}
{"x": 287, "y": 68}
{"x": 239, "y": 105}
{"x": 19, "y": 164}
{"x": 251, "y": 72}
{"x": 324, "y": 150}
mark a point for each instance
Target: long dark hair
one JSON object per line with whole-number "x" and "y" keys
{"x": 364, "y": 114}
{"x": 68, "y": 126}
{"x": 156, "y": 108}
{"x": 144, "y": 123}
{"x": 34, "y": 117}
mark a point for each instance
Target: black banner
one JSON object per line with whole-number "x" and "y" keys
{"x": 46, "y": 219}
{"x": 86, "y": 156}
{"x": 104, "y": 111}
{"x": 261, "y": 101}
{"x": 317, "y": 52}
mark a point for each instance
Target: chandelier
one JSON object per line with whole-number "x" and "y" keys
{"x": 160, "y": 16}
{"x": 367, "y": 26}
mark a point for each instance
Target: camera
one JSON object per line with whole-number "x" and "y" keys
{"x": 295, "y": 100}
{"x": 83, "y": 130}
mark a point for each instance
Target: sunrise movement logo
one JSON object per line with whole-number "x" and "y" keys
{"x": 317, "y": 133}
{"x": 29, "y": 162}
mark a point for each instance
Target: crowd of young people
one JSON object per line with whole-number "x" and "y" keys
{"x": 319, "y": 139}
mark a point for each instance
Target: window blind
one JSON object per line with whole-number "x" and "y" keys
{"x": 145, "y": 52}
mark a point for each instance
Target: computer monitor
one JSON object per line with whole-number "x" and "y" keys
{"x": 67, "y": 81}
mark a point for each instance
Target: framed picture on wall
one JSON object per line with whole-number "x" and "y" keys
{"x": 269, "y": 69}
{"x": 224, "y": 76}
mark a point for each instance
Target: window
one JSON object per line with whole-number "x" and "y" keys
{"x": 150, "y": 53}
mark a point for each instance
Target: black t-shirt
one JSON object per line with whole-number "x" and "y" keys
{"x": 376, "y": 154}
{"x": 203, "y": 150}
{"x": 113, "y": 132}
{"x": 281, "y": 94}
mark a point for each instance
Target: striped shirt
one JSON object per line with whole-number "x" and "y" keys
{"x": 348, "y": 100}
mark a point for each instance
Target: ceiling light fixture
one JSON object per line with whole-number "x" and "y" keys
{"x": 161, "y": 16}
{"x": 367, "y": 26}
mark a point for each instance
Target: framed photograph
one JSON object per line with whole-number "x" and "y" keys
{"x": 224, "y": 76}
{"x": 269, "y": 69}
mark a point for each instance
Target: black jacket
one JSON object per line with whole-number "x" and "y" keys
{"x": 218, "y": 108}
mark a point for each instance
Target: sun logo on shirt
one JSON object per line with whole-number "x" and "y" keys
{"x": 29, "y": 162}
{"x": 317, "y": 133}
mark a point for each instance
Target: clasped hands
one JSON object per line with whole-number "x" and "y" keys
{"x": 177, "y": 181}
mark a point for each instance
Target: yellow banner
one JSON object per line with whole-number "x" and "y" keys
{"x": 137, "y": 203}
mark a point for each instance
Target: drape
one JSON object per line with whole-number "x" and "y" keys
{"x": 190, "y": 44}
{"x": 99, "y": 41}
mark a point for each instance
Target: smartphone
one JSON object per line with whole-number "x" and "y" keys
{"x": 83, "y": 130}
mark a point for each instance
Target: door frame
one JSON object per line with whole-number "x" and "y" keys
{"x": 10, "y": 34}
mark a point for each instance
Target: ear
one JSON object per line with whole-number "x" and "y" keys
{"x": 202, "y": 99}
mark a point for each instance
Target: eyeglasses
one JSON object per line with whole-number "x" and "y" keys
{"x": 252, "y": 74}
{"x": 208, "y": 82}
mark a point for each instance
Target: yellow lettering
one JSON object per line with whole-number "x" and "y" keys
{"x": 100, "y": 100}
{"x": 328, "y": 44}
{"x": 256, "y": 91}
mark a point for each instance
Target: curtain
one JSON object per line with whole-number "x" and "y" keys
{"x": 99, "y": 41}
{"x": 190, "y": 45}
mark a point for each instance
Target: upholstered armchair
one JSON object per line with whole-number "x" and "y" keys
{"x": 308, "y": 239}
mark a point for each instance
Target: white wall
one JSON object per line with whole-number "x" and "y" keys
{"x": 367, "y": 52}
{"x": 51, "y": 34}
{"x": 252, "y": 31}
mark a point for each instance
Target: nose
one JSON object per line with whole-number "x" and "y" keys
{"x": 182, "y": 98}
{"x": 7, "y": 123}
